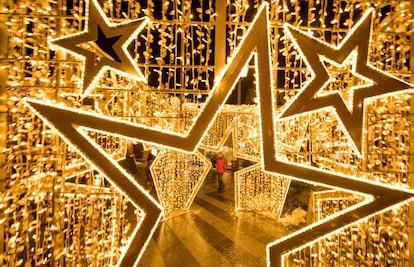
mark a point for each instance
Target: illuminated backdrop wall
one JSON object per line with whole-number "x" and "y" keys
{"x": 58, "y": 209}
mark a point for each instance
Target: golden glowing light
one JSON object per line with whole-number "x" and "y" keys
{"x": 69, "y": 125}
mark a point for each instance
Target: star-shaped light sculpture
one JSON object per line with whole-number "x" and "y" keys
{"x": 315, "y": 52}
{"x": 103, "y": 46}
{"x": 346, "y": 75}
{"x": 69, "y": 122}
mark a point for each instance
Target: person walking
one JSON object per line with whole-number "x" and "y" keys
{"x": 221, "y": 166}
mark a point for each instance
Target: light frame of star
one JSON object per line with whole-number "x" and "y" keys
{"x": 376, "y": 199}
{"x": 307, "y": 100}
{"x": 69, "y": 121}
{"x": 127, "y": 32}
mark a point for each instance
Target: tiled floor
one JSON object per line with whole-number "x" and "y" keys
{"x": 212, "y": 233}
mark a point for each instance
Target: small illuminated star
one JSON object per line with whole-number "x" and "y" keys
{"x": 251, "y": 135}
{"x": 346, "y": 76}
{"x": 103, "y": 45}
{"x": 315, "y": 52}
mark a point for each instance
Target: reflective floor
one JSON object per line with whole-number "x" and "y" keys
{"x": 212, "y": 233}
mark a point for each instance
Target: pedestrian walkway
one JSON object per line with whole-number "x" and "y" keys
{"x": 212, "y": 233}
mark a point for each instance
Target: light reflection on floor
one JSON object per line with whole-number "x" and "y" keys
{"x": 212, "y": 233}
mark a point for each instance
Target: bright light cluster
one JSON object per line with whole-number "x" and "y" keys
{"x": 369, "y": 242}
{"x": 307, "y": 99}
{"x": 70, "y": 122}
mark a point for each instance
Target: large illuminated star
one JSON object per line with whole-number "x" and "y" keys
{"x": 69, "y": 122}
{"x": 103, "y": 46}
{"x": 315, "y": 53}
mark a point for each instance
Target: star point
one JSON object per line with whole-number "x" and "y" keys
{"x": 69, "y": 125}
{"x": 103, "y": 45}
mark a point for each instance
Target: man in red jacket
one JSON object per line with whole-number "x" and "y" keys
{"x": 221, "y": 166}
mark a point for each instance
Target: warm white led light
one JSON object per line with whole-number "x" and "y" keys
{"x": 352, "y": 61}
{"x": 247, "y": 136}
{"x": 220, "y": 130}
